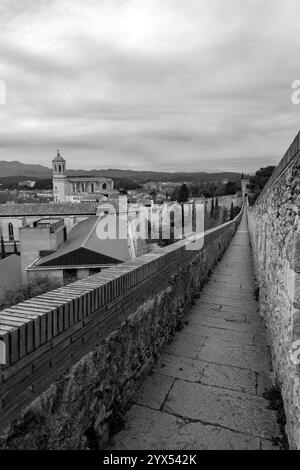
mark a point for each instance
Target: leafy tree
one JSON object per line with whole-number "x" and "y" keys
{"x": 3, "y": 254}
{"x": 225, "y": 214}
{"x": 25, "y": 292}
{"x": 153, "y": 194}
{"x": 212, "y": 207}
{"x": 230, "y": 188}
{"x": 184, "y": 194}
{"x": 236, "y": 211}
{"x": 258, "y": 181}
{"x": 123, "y": 185}
{"x": 231, "y": 217}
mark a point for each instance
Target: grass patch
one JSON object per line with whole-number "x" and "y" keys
{"x": 273, "y": 395}
{"x": 256, "y": 293}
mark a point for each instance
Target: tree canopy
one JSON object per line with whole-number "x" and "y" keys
{"x": 258, "y": 181}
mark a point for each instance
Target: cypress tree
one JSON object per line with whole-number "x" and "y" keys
{"x": 212, "y": 208}
{"x": 231, "y": 211}
{"x": 15, "y": 248}
{"x": 3, "y": 254}
{"x": 184, "y": 193}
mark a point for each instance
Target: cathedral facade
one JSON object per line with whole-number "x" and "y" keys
{"x": 79, "y": 188}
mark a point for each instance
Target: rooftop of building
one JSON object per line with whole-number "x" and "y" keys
{"x": 87, "y": 178}
{"x": 84, "y": 247}
{"x": 10, "y": 274}
{"x": 58, "y": 158}
{"x": 47, "y": 209}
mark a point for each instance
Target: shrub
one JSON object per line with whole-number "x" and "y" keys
{"x": 25, "y": 292}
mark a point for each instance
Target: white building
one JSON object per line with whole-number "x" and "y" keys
{"x": 79, "y": 188}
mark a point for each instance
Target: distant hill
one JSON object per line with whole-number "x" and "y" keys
{"x": 22, "y": 169}
{"x": 18, "y": 169}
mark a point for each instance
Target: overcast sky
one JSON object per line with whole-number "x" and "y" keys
{"x": 177, "y": 85}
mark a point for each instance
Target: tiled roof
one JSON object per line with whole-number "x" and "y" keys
{"x": 41, "y": 209}
{"x": 10, "y": 273}
{"x": 84, "y": 235}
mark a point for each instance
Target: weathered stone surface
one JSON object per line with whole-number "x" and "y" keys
{"x": 186, "y": 345}
{"x": 232, "y": 378}
{"x": 96, "y": 370}
{"x": 247, "y": 357}
{"x": 148, "y": 429}
{"x": 216, "y": 317}
{"x": 264, "y": 382}
{"x": 268, "y": 445}
{"x": 226, "y": 335}
{"x": 240, "y": 412}
{"x": 180, "y": 367}
{"x": 154, "y": 391}
{"x": 274, "y": 229}
{"x": 211, "y": 405}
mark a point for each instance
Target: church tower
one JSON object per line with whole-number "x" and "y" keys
{"x": 59, "y": 178}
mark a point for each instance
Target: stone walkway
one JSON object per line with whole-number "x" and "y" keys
{"x": 206, "y": 390}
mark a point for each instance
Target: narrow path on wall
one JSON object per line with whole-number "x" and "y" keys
{"x": 206, "y": 390}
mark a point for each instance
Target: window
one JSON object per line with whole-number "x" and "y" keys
{"x": 10, "y": 231}
{"x": 104, "y": 186}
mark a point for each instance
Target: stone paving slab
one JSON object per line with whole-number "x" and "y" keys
{"x": 182, "y": 368}
{"x": 194, "y": 370}
{"x": 236, "y": 337}
{"x": 239, "y": 303}
{"x": 226, "y": 307}
{"x": 225, "y": 321}
{"x": 207, "y": 388}
{"x": 211, "y": 317}
{"x": 247, "y": 357}
{"x": 241, "y": 412}
{"x": 232, "y": 378}
{"x": 154, "y": 391}
{"x": 186, "y": 345}
{"x": 148, "y": 429}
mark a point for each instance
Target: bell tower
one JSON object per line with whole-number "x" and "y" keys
{"x": 59, "y": 178}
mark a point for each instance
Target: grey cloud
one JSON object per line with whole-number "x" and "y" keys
{"x": 220, "y": 101}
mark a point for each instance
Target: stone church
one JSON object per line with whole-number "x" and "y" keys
{"x": 79, "y": 188}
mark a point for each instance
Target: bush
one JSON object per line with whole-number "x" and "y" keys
{"x": 25, "y": 292}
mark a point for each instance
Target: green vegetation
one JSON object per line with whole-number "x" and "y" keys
{"x": 258, "y": 182}
{"x": 231, "y": 216}
{"x": 23, "y": 293}
{"x": 215, "y": 189}
{"x": 124, "y": 185}
{"x": 184, "y": 194}
{"x": 273, "y": 395}
{"x": 3, "y": 254}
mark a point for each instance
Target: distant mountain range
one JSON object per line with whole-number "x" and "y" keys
{"x": 18, "y": 169}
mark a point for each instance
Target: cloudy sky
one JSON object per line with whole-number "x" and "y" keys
{"x": 149, "y": 84}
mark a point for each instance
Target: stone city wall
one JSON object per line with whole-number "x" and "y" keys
{"x": 73, "y": 358}
{"x": 275, "y": 237}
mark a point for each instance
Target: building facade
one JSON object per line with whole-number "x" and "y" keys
{"x": 79, "y": 188}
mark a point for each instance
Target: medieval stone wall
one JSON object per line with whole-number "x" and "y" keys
{"x": 73, "y": 358}
{"x": 275, "y": 237}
